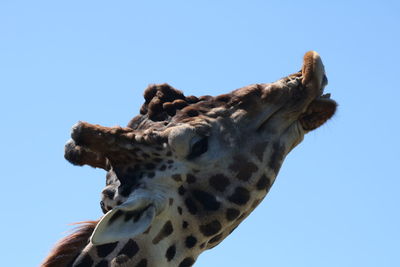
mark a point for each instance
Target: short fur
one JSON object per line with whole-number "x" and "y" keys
{"x": 188, "y": 170}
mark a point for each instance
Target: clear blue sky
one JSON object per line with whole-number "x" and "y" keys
{"x": 336, "y": 200}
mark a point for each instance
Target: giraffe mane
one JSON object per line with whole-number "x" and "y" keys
{"x": 164, "y": 103}
{"x": 68, "y": 248}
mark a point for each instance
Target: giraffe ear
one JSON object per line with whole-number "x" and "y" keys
{"x": 131, "y": 218}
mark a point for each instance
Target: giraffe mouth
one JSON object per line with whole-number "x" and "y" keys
{"x": 318, "y": 112}
{"x": 322, "y": 107}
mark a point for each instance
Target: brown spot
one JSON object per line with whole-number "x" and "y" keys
{"x": 210, "y": 228}
{"x": 232, "y": 214}
{"x": 179, "y": 210}
{"x": 219, "y": 182}
{"x": 191, "y": 179}
{"x": 276, "y": 157}
{"x": 243, "y": 167}
{"x": 170, "y": 253}
{"x": 191, "y": 205}
{"x": 263, "y": 183}
{"x": 185, "y": 224}
{"x": 142, "y": 263}
{"x": 240, "y": 196}
{"x": 105, "y": 249}
{"x": 171, "y": 201}
{"x": 190, "y": 241}
{"x": 181, "y": 190}
{"x": 208, "y": 201}
{"x": 187, "y": 262}
{"x": 259, "y": 149}
{"x": 177, "y": 177}
{"x": 129, "y": 250}
{"x": 165, "y": 231}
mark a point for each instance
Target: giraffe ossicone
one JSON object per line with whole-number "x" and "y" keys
{"x": 188, "y": 170}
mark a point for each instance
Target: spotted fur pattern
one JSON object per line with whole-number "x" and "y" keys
{"x": 213, "y": 160}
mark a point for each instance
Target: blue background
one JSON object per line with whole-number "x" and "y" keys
{"x": 336, "y": 200}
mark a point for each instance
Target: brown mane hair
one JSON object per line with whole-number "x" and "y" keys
{"x": 68, "y": 248}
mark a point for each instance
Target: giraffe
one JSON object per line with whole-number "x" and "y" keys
{"x": 188, "y": 170}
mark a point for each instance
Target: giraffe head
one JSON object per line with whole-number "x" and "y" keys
{"x": 199, "y": 164}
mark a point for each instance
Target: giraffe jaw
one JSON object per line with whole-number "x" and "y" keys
{"x": 318, "y": 112}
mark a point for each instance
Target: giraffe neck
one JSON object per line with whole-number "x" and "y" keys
{"x": 68, "y": 248}
{"x": 201, "y": 213}
{"x": 162, "y": 245}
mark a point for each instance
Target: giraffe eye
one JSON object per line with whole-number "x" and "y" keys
{"x": 198, "y": 148}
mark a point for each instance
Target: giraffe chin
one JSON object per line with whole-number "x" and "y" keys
{"x": 318, "y": 112}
